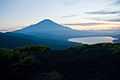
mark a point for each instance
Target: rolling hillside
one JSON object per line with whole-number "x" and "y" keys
{"x": 9, "y": 41}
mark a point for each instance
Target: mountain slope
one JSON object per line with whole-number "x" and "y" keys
{"x": 45, "y": 26}
{"x": 13, "y": 40}
{"x": 9, "y": 41}
{"x": 52, "y": 34}
{"x": 52, "y": 29}
{"x": 48, "y": 33}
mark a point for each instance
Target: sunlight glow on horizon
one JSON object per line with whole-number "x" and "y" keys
{"x": 107, "y": 25}
{"x": 17, "y": 14}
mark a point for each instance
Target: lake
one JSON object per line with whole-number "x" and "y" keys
{"x": 92, "y": 40}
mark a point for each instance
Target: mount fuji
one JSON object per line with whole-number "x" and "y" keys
{"x": 45, "y": 26}
{"x": 47, "y": 33}
{"x": 50, "y": 29}
{"x": 50, "y": 33}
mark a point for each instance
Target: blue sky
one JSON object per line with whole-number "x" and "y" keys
{"x": 77, "y": 14}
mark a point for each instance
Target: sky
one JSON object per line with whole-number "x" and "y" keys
{"x": 76, "y": 14}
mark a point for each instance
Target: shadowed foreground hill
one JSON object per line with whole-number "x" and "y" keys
{"x": 87, "y": 62}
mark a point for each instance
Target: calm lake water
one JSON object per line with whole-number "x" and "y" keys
{"x": 92, "y": 40}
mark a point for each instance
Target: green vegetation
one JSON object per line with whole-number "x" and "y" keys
{"x": 27, "y": 60}
{"x": 32, "y": 48}
{"x": 19, "y": 55}
{"x": 111, "y": 47}
{"x": 5, "y": 55}
{"x": 10, "y": 57}
{"x": 84, "y": 62}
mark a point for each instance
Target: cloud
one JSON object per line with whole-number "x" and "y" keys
{"x": 85, "y": 24}
{"x": 102, "y": 19}
{"x": 11, "y": 29}
{"x": 3, "y": 29}
{"x": 69, "y": 16}
{"x": 117, "y": 2}
{"x": 114, "y": 20}
{"x": 108, "y": 19}
{"x": 71, "y": 2}
{"x": 104, "y": 12}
